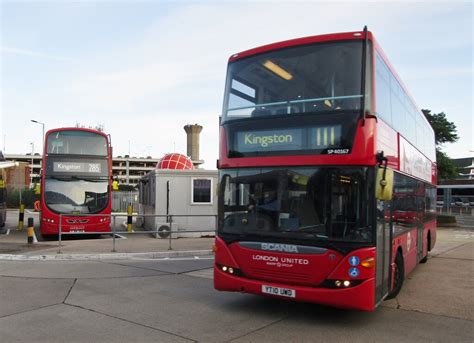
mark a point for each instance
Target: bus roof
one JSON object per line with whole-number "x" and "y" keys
{"x": 356, "y": 35}
{"x": 76, "y": 129}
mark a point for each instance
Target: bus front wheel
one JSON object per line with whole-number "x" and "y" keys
{"x": 398, "y": 276}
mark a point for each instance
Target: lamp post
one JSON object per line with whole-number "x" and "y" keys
{"x": 42, "y": 146}
{"x": 38, "y": 122}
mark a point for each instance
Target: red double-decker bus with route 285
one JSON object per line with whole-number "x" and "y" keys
{"x": 322, "y": 151}
{"x": 76, "y": 181}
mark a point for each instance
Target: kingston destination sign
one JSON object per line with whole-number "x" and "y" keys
{"x": 310, "y": 138}
{"x": 84, "y": 167}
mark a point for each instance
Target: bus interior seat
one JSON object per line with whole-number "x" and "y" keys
{"x": 261, "y": 112}
{"x": 293, "y": 109}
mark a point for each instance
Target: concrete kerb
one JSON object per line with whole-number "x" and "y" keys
{"x": 113, "y": 256}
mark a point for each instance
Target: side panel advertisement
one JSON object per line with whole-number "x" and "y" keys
{"x": 414, "y": 162}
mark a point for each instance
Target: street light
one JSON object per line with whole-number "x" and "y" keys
{"x": 38, "y": 122}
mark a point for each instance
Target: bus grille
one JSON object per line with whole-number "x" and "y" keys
{"x": 262, "y": 273}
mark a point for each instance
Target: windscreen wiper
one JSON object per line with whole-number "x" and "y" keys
{"x": 67, "y": 179}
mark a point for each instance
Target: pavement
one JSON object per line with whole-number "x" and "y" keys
{"x": 13, "y": 246}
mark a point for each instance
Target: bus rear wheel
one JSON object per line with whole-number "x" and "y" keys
{"x": 398, "y": 276}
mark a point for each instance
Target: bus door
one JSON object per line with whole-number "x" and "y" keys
{"x": 420, "y": 218}
{"x": 384, "y": 248}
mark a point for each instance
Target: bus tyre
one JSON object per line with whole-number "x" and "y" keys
{"x": 398, "y": 276}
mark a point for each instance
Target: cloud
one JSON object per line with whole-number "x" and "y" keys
{"x": 13, "y": 50}
{"x": 423, "y": 73}
{"x": 183, "y": 55}
{"x": 186, "y": 50}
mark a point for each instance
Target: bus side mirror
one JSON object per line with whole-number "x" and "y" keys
{"x": 384, "y": 184}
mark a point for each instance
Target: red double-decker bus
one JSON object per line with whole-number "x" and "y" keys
{"x": 321, "y": 149}
{"x": 76, "y": 181}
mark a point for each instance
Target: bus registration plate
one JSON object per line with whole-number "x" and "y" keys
{"x": 284, "y": 292}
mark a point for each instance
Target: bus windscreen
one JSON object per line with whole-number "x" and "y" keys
{"x": 76, "y": 143}
{"x": 317, "y": 78}
{"x": 310, "y": 204}
{"x": 71, "y": 195}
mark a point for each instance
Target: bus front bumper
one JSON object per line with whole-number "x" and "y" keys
{"x": 53, "y": 228}
{"x": 360, "y": 297}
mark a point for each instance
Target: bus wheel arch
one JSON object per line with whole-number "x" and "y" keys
{"x": 398, "y": 274}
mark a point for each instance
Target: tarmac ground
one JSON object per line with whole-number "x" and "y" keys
{"x": 171, "y": 298}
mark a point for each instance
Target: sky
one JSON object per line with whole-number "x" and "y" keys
{"x": 144, "y": 69}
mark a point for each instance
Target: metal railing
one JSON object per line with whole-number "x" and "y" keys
{"x": 113, "y": 230}
{"x": 455, "y": 210}
{"x": 455, "y": 204}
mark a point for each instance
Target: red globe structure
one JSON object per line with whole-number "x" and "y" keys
{"x": 175, "y": 161}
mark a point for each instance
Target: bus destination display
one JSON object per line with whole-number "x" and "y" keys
{"x": 76, "y": 167}
{"x": 309, "y": 138}
{"x": 65, "y": 167}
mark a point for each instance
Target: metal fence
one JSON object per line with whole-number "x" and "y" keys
{"x": 114, "y": 232}
{"x": 455, "y": 205}
{"x": 120, "y": 200}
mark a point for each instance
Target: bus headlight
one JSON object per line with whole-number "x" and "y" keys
{"x": 230, "y": 270}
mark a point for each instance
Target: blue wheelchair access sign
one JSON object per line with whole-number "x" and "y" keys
{"x": 354, "y": 272}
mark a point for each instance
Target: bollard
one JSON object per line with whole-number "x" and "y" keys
{"x": 129, "y": 218}
{"x": 31, "y": 230}
{"x": 21, "y": 217}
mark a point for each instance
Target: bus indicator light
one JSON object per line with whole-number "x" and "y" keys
{"x": 368, "y": 262}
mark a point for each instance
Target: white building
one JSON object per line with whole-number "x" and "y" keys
{"x": 188, "y": 198}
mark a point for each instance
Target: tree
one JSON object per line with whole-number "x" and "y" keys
{"x": 445, "y": 132}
